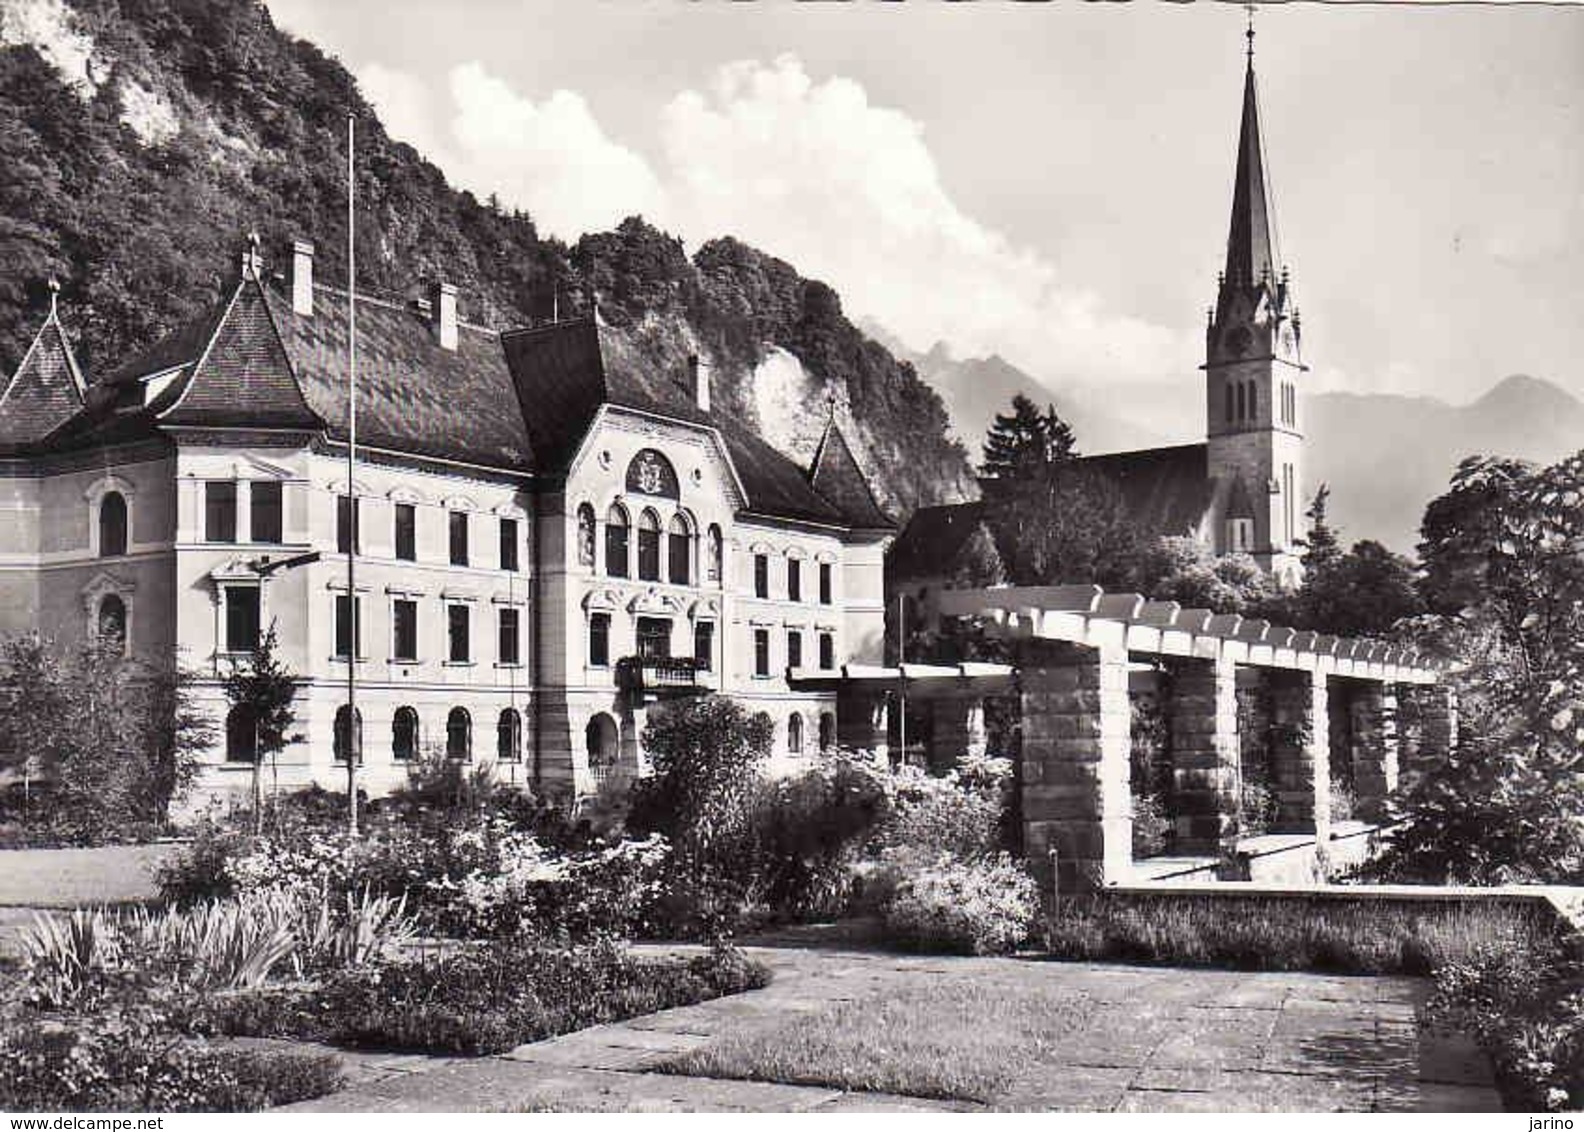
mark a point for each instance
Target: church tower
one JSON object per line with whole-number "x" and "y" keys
{"x": 1254, "y": 372}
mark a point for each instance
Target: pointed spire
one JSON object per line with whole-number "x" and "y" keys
{"x": 1251, "y": 238}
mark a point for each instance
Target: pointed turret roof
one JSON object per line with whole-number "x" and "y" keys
{"x": 1252, "y": 251}
{"x": 46, "y": 390}
{"x": 835, "y": 474}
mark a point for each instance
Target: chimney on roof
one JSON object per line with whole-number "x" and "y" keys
{"x": 443, "y": 313}
{"x": 302, "y": 277}
{"x": 699, "y": 375}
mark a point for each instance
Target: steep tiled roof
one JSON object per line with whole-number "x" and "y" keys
{"x": 565, "y": 371}
{"x": 835, "y": 474}
{"x": 243, "y": 376}
{"x": 45, "y": 392}
{"x": 414, "y": 396}
{"x": 933, "y": 538}
{"x": 1168, "y": 490}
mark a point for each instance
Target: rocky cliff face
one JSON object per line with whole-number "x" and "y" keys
{"x": 141, "y": 139}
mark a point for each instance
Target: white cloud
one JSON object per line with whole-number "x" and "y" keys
{"x": 813, "y": 172}
{"x": 551, "y": 157}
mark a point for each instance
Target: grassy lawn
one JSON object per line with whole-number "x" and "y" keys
{"x": 1365, "y": 936}
{"x": 952, "y": 1040}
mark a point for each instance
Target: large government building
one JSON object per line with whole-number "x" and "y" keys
{"x": 549, "y": 537}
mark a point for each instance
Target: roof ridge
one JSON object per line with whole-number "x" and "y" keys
{"x": 400, "y": 306}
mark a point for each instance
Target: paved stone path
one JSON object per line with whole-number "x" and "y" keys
{"x": 1159, "y": 1040}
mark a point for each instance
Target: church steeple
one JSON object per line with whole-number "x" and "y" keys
{"x": 1252, "y": 253}
{"x": 1254, "y": 368}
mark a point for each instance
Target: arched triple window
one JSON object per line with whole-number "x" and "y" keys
{"x": 795, "y": 734}
{"x": 404, "y": 734}
{"x": 713, "y": 554}
{"x": 616, "y": 542}
{"x": 241, "y": 735}
{"x": 601, "y": 740}
{"x": 827, "y": 731}
{"x": 112, "y": 622}
{"x": 508, "y": 736}
{"x": 112, "y": 525}
{"x": 585, "y": 535}
{"x": 348, "y": 738}
{"x": 459, "y": 734}
{"x": 679, "y": 551}
{"x": 648, "y": 546}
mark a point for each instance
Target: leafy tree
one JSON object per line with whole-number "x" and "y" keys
{"x": 1182, "y": 569}
{"x": 1027, "y": 444}
{"x": 263, "y": 689}
{"x": 1071, "y": 525}
{"x": 115, "y": 740}
{"x": 1504, "y": 558}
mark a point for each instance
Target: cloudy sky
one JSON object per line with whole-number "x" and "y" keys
{"x": 1046, "y": 181}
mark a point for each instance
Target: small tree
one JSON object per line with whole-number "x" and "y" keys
{"x": 263, "y": 688}
{"x": 1321, "y": 546}
{"x": 1182, "y": 569}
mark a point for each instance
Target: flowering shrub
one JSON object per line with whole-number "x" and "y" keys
{"x": 1525, "y": 1004}
{"x": 516, "y": 885}
{"x": 981, "y": 908}
{"x": 961, "y": 813}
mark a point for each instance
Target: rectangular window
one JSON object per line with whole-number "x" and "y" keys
{"x": 458, "y": 648}
{"x": 346, "y": 612}
{"x": 510, "y": 639}
{"x": 599, "y": 640}
{"x": 704, "y": 646}
{"x": 404, "y": 629}
{"x": 794, "y": 580}
{"x": 406, "y": 532}
{"x": 761, "y": 575}
{"x": 827, "y": 651}
{"x": 241, "y": 618}
{"x": 794, "y": 649}
{"x": 459, "y": 538}
{"x": 616, "y": 550}
{"x": 508, "y": 544}
{"x": 654, "y": 637}
{"x": 761, "y": 652}
{"x": 220, "y": 511}
{"x": 827, "y": 589}
{"x": 264, "y": 510}
{"x": 347, "y": 515}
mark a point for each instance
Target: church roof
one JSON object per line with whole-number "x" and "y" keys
{"x": 1168, "y": 491}
{"x": 46, "y": 390}
{"x": 834, "y": 473}
{"x": 1252, "y": 252}
{"x": 933, "y": 538}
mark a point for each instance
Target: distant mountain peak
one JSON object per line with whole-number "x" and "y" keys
{"x": 1526, "y": 393}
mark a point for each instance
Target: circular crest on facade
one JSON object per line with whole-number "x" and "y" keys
{"x": 650, "y": 473}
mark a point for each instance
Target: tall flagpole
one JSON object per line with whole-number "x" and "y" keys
{"x": 353, "y": 745}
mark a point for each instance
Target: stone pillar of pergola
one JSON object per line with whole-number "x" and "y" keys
{"x": 1202, "y": 714}
{"x": 957, "y": 730}
{"x": 1373, "y": 729}
{"x": 1438, "y": 726}
{"x": 1077, "y": 813}
{"x": 1300, "y": 752}
{"x": 862, "y": 719}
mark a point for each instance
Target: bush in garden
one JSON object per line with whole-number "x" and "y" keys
{"x": 125, "y": 1057}
{"x": 1524, "y": 1001}
{"x": 490, "y": 998}
{"x": 982, "y": 907}
{"x": 960, "y": 813}
{"x": 707, "y": 753}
